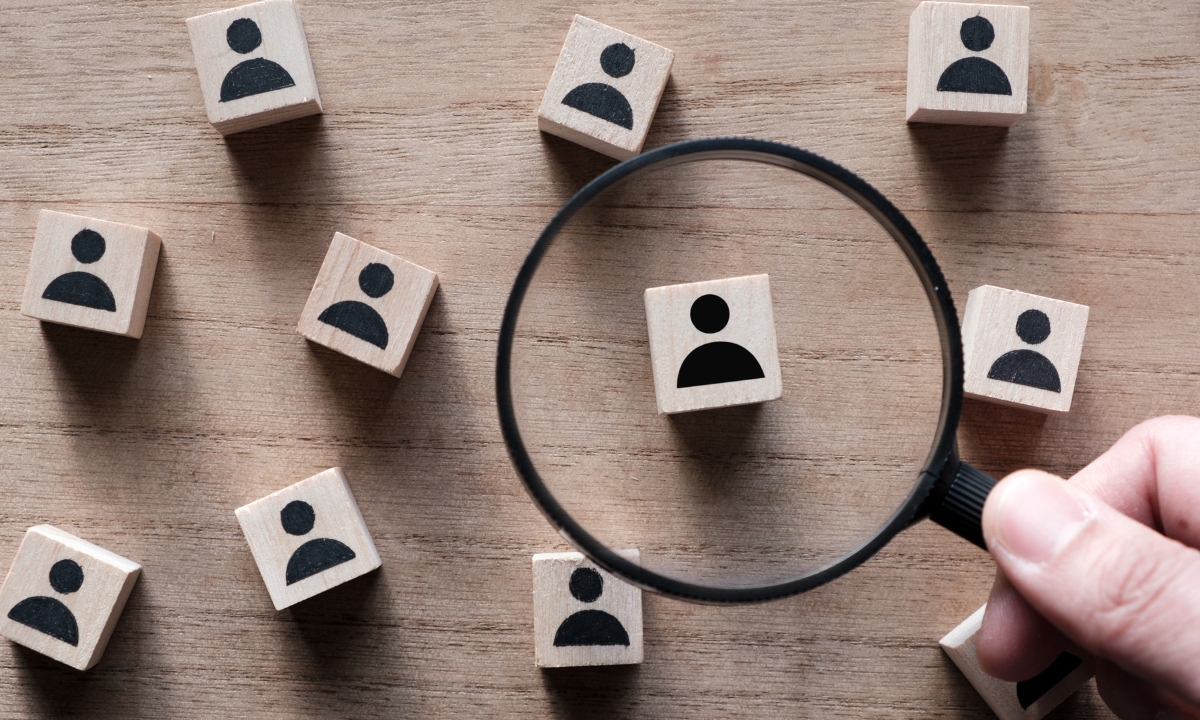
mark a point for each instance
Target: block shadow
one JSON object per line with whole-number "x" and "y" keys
{"x": 591, "y": 692}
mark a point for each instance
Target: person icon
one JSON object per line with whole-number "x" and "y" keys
{"x": 83, "y": 288}
{"x": 313, "y": 556}
{"x": 358, "y": 318}
{"x": 974, "y": 74}
{"x": 589, "y": 627}
{"x": 715, "y": 362}
{"x": 253, "y": 76}
{"x": 602, "y": 100}
{"x": 49, "y": 615}
{"x": 1025, "y": 366}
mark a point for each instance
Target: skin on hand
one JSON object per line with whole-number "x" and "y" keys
{"x": 1106, "y": 562}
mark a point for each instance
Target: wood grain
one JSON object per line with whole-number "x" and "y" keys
{"x": 429, "y": 141}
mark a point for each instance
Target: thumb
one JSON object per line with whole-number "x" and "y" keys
{"x": 1114, "y": 586}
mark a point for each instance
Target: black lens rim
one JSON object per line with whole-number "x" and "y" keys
{"x": 892, "y": 220}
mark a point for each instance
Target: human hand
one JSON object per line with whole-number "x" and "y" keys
{"x": 1106, "y": 562}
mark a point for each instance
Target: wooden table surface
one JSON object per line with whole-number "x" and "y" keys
{"x": 428, "y": 148}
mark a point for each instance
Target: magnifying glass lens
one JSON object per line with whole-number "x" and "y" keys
{"x": 749, "y": 495}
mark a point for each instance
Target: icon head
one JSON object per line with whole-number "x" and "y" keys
{"x": 977, "y": 33}
{"x": 87, "y": 246}
{"x": 617, "y": 60}
{"x": 1033, "y": 326}
{"x": 586, "y": 585}
{"x": 710, "y": 314}
{"x": 297, "y": 517}
{"x": 243, "y": 35}
{"x": 66, "y": 576}
{"x": 376, "y": 280}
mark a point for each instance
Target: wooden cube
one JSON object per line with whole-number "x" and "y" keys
{"x": 968, "y": 64}
{"x": 1021, "y": 349}
{"x": 63, "y": 596}
{"x": 91, "y": 273}
{"x": 583, "y": 615}
{"x": 712, "y": 344}
{"x": 308, "y": 538}
{"x": 368, "y": 304}
{"x": 254, "y": 66}
{"x": 605, "y": 89}
{"x": 1030, "y": 699}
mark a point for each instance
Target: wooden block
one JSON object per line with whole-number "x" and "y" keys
{"x": 254, "y": 66}
{"x": 308, "y": 537}
{"x": 91, "y": 273}
{"x": 583, "y": 615}
{"x": 1021, "y": 349}
{"x": 1030, "y": 699}
{"x": 368, "y": 304}
{"x": 712, "y": 344}
{"x": 968, "y": 64}
{"x": 605, "y": 89}
{"x": 63, "y": 596}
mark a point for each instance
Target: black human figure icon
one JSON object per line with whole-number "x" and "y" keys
{"x": 1025, "y": 366}
{"x": 83, "y": 288}
{"x": 313, "y": 556}
{"x": 589, "y": 627}
{"x": 974, "y": 74}
{"x": 48, "y": 615}
{"x": 253, "y": 76}
{"x": 715, "y": 362}
{"x": 358, "y": 318}
{"x": 602, "y": 100}
{"x": 1031, "y": 690}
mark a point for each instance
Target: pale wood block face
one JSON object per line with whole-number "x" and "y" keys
{"x": 1031, "y": 699}
{"x": 605, "y": 89}
{"x": 583, "y": 615}
{"x": 368, "y": 304}
{"x": 968, "y": 64}
{"x": 308, "y": 537}
{"x": 91, "y": 273}
{"x": 254, "y": 65}
{"x": 63, "y": 596}
{"x": 1021, "y": 349}
{"x": 712, "y": 344}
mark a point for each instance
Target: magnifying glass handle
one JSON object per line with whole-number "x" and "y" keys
{"x": 963, "y": 492}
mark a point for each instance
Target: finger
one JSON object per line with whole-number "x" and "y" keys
{"x": 1115, "y": 587}
{"x": 1015, "y": 643}
{"x": 1132, "y": 698}
{"x": 1152, "y": 474}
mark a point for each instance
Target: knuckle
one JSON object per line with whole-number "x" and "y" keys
{"x": 1131, "y": 592}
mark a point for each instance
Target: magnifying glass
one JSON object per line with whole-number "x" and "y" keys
{"x": 748, "y": 502}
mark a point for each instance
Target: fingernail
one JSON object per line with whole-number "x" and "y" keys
{"x": 1037, "y": 517}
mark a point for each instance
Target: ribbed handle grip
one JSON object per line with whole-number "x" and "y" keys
{"x": 961, "y": 510}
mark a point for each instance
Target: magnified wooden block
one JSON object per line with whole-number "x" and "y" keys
{"x": 308, "y": 537}
{"x": 254, "y": 66}
{"x": 1031, "y": 699}
{"x": 368, "y": 304}
{"x": 583, "y": 615}
{"x": 605, "y": 89}
{"x": 91, "y": 273}
{"x": 712, "y": 344}
{"x": 1021, "y": 349}
{"x": 63, "y": 596}
{"x": 968, "y": 64}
